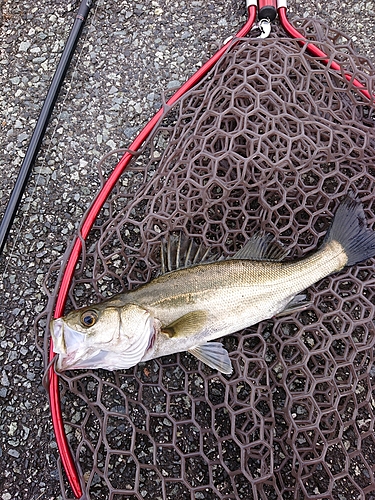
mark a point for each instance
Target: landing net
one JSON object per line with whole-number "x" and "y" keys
{"x": 271, "y": 139}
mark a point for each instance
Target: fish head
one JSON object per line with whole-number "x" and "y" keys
{"x": 103, "y": 336}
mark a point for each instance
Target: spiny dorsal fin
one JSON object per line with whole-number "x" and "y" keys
{"x": 179, "y": 251}
{"x": 262, "y": 246}
{"x": 214, "y": 355}
{"x": 191, "y": 323}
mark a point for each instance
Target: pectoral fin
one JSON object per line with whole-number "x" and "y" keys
{"x": 214, "y": 355}
{"x": 191, "y": 323}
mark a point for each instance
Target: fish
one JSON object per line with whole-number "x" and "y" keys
{"x": 199, "y": 298}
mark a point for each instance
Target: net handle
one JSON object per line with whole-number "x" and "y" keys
{"x": 267, "y": 9}
{"x": 42, "y": 123}
{"x": 54, "y": 395}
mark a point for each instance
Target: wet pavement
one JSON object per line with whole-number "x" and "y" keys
{"x": 128, "y": 54}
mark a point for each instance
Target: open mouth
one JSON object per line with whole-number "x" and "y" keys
{"x": 57, "y": 334}
{"x": 64, "y": 362}
{"x": 75, "y": 360}
{"x": 66, "y": 343}
{"x": 65, "y": 339}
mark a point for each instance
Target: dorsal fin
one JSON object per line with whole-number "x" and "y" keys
{"x": 262, "y": 246}
{"x": 179, "y": 251}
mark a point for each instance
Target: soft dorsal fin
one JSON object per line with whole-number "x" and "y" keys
{"x": 179, "y": 251}
{"x": 214, "y": 355}
{"x": 262, "y": 246}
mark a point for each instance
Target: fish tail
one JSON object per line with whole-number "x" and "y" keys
{"x": 349, "y": 229}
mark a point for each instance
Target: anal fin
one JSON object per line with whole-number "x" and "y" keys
{"x": 297, "y": 304}
{"x": 214, "y": 355}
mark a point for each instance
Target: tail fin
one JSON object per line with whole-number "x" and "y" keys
{"x": 349, "y": 229}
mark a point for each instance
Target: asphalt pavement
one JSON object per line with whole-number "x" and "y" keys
{"x": 128, "y": 54}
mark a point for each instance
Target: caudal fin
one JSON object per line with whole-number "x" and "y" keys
{"x": 349, "y": 229}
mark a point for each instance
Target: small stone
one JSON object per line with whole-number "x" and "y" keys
{"x": 12, "y": 356}
{"x": 174, "y": 84}
{"x": 24, "y": 46}
{"x": 4, "y": 379}
{"x": 22, "y": 137}
{"x": 26, "y": 432}
{"x": 130, "y": 131}
{"x": 13, "y": 453}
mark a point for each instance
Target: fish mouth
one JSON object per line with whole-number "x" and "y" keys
{"x": 57, "y": 334}
{"x": 66, "y": 343}
{"x": 73, "y": 351}
{"x": 74, "y": 360}
{"x": 64, "y": 362}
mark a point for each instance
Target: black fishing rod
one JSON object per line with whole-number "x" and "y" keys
{"x": 41, "y": 125}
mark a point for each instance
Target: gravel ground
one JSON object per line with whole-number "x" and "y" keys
{"x": 127, "y": 55}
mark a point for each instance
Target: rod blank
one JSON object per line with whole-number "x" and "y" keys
{"x": 41, "y": 125}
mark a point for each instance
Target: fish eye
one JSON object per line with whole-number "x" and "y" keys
{"x": 89, "y": 318}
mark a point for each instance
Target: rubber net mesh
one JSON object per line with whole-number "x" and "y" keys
{"x": 270, "y": 140}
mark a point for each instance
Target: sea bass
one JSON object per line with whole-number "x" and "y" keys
{"x": 186, "y": 308}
